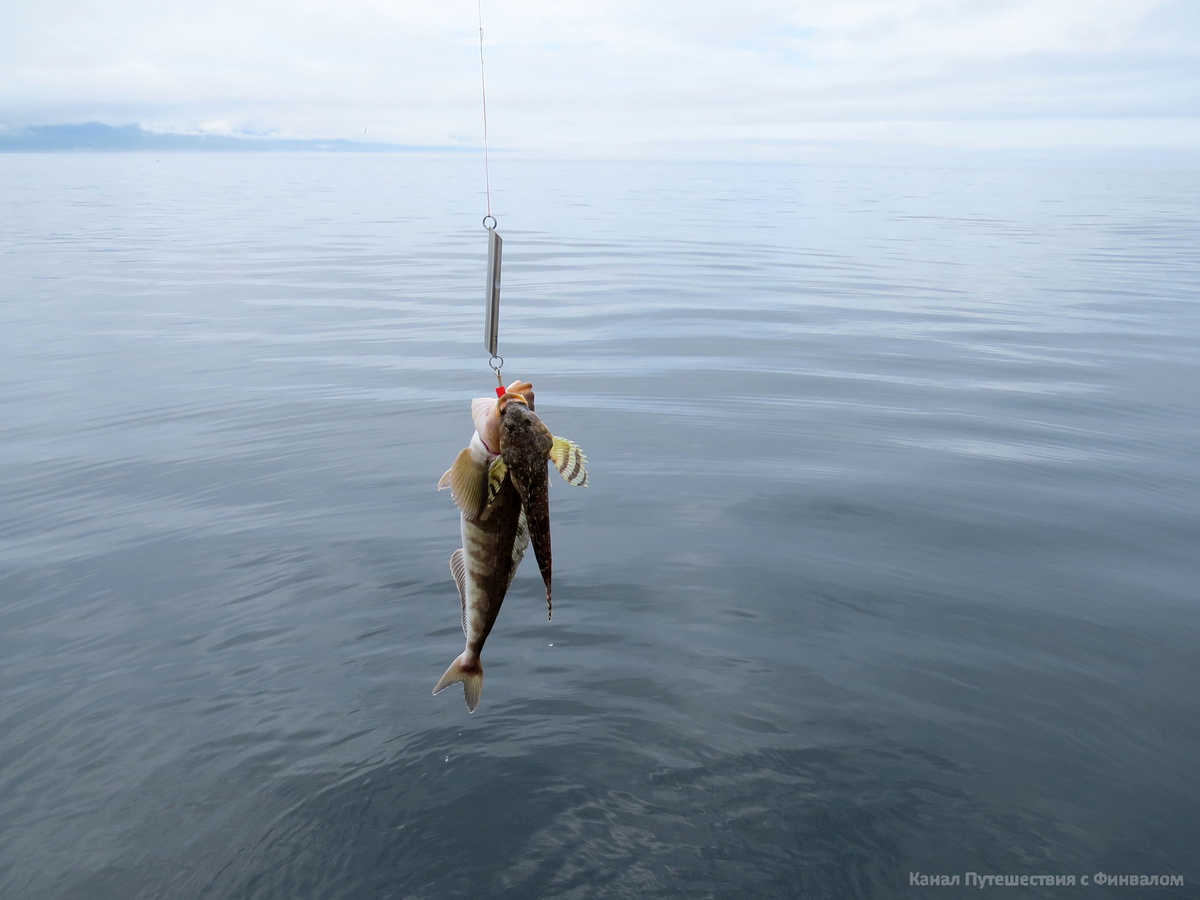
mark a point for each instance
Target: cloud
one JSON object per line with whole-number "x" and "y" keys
{"x": 569, "y": 76}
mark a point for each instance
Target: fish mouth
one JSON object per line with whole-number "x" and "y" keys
{"x": 511, "y": 397}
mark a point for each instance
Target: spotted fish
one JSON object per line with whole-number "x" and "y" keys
{"x": 495, "y": 484}
{"x": 525, "y": 446}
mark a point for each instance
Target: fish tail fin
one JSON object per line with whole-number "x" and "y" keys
{"x": 468, "y": 670}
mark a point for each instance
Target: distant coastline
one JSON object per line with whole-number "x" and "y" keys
{"x": 97, "y": 137}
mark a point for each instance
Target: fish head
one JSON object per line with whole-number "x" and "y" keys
{"x": 486, "y": 412}
{"x": 522, "y": 433}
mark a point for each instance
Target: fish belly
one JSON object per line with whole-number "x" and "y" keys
{"x": 491, "y": 552}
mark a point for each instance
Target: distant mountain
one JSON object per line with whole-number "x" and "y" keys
{"x": 96, "y": 136}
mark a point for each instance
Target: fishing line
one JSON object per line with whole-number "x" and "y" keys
{"x": 487, "y": 177}
{"x": 491, "y": 323}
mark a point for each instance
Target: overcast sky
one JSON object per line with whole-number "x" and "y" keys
{"x": 617, "y": 77}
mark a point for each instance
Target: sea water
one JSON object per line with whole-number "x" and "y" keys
{"x": 887, "y": 567}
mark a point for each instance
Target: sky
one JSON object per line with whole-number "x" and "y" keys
{"x": 619, "y": 78}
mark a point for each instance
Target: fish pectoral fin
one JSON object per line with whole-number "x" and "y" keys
{"x": 467, "y": 480}
{"x": 458, "y": 568}
{"x": 521, "y": 541}
{"x": 570, "y": 461}
{"x": 496, "y": 472}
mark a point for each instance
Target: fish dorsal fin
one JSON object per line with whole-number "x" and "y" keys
{"x": 467, "y": 480}
{"x": 570, "y": 461}
{"x": 496, "y": 472}
{"x": 458, "y": 568}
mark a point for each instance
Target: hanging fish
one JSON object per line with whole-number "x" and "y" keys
{"x": 525, "y": 445}
{"x": 503, "y": 500}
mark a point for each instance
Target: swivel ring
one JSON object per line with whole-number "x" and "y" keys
{"x": 491, "y": 227}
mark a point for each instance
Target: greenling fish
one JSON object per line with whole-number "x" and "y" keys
{"x": 490, "y": 481}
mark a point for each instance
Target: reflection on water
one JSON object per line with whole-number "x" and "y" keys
{"x": 887, "y": 563}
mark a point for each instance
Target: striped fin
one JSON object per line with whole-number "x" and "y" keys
{"x": 467, "y": 480}
{"x": 458, "y": 568}
{"x": 570, "y": 461}
{"x": 521, "y": 541}
{"x": 496, "y": 472}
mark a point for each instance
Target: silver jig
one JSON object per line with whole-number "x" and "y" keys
{"x": 491, "y": 325}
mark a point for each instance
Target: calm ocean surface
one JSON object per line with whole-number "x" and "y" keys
{"x": 889, "y": 562}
